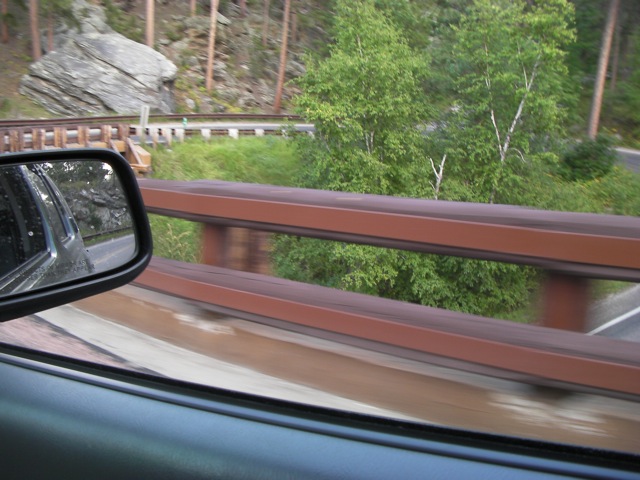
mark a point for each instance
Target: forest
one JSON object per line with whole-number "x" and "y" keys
{"x": 514, "y": 102}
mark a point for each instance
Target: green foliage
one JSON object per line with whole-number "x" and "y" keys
{"x": 589, "y": 159}
{"x": 63, "y": 9}
{"x": 616, "y": 193}
{"x": 624, "y": 104}
{"x": 510, "y": 67}
{"x": 365, "y": 101}
{"x": 583, "y": 53}
{"x": 176, "y": 239}
{"x": 123, "y": 23}
{"x": 500, "y": 139}
{"x": 5, "y": 105}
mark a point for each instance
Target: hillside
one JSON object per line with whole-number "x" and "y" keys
{"x": 245, "y": 71}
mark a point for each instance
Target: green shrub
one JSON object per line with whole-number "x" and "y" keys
{"x": 270, "y": 160}
{"x": 589, "y": 159}
{"x": 617, "y": 193}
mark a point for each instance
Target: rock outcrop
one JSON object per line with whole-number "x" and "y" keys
{"x": 95, "y": 71}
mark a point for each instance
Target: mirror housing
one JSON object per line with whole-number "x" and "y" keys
{"x": 58, "y": 266}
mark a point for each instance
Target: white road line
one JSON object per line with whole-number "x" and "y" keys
{"x": 615, "y": 321}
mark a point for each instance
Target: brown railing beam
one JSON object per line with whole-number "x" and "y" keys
{"x": 540, "y": 353}
{"x": 594, "y": 246}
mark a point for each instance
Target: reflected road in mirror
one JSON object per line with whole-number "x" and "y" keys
{"x": 108, "y": 254}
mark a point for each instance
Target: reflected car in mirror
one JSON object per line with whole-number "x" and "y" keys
{"x": 69, "y": 220}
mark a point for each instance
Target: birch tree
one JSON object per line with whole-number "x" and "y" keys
{"x": 511, "y": 71}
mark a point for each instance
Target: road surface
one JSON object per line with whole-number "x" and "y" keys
{"x": 630, "y": 158}
{"x": 617, "y": 316}
{"x": 112, "y": 253}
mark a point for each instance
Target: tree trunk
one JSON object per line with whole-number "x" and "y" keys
{"x": 283, "y": 58}
{"x": 192, "y": 8}
{"x": 36, "y": 50}
{"x": 605, "y": 52}
{"x": 212, "y": 45}
{"x": 243, "y": 8}
{"x": 150, "y": 22}
{"x": 5, "y": 27}
{"x": 50, "y": 31}
{"x": 615, "y": 63}
{"x": 265, "y": 22}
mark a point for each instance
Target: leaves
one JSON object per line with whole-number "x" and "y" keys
{"x": 511, "y": 61}
{"x": 365, "y": 100}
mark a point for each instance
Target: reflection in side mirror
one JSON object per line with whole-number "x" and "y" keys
{"x": 61, "y": 221}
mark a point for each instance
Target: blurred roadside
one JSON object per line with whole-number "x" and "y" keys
{"x": 139, "y": 329}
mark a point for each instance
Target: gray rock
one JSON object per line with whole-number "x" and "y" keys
{"x": 202, "y": 22}
{"x": 99, "y": 74}
{"x": 295, "y": 69}
{"x": 89, "y": 19}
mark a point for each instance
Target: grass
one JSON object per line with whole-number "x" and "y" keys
{"x": 21, "y": 107}
{"x": 270, "y": 160}
{"x": 267, "y": 160}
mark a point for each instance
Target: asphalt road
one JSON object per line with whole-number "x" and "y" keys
{"x": 631, "y": 158}
{"x": 618, "y": 316}
{"x": 624, "y": 327}
{"x": 112, "y": 253}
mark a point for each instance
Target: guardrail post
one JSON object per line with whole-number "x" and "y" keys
{"x": 105, "y": 134}
{"x": 144, "y": 121}
{"x": 60, "y": 137}
{"x": 16, "y": 140}
{"x": 38, "y": 139}
{"x": 83, "y": 135}
{"x": 215, "y": 245}
{"x": 565, "y": 302}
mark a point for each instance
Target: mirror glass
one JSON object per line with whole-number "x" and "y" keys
{"x": 61, "y": 221}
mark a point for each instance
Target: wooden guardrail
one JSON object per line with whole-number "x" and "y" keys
{"x": 14, "y": 137}
{"x": 571, "y": 247}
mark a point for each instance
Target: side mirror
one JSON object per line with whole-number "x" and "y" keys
{"x": 72, "y": 224}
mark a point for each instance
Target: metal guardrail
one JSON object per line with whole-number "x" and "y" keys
{"x": 118, "y": 119}
{"x": 571, "y": 247}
